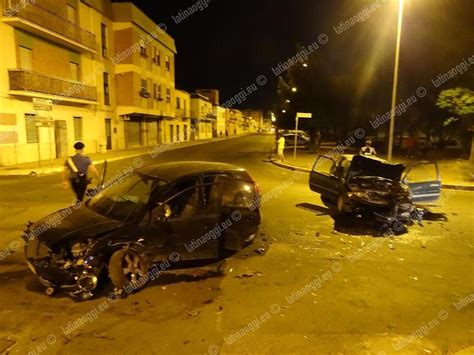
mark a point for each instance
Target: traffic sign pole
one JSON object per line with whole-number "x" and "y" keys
{"x": 298, "y": 116}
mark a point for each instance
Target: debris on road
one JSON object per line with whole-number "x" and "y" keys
{"x": 260, "y": 251}
{"x": 248, "y": 275}
{"x": 193, "y": 314}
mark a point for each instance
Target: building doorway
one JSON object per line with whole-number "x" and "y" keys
{"x": 108, "y": 133}
{"x": 60, "y": 136}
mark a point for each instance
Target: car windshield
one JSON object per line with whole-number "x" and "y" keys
{"x": 124, "y": 201}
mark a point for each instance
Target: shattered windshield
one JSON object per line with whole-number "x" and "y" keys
{"x": 124, "y": 201}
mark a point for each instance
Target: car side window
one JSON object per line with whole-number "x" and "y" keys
{"x": 237, "y": 193}
{"x": 183, "y": 201}
{"x": 212, "y": 194}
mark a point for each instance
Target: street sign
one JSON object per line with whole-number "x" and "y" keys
{"x": 304, "y": 115}
{"x": 298, "y": 116}
{"x": 42, "y": 104}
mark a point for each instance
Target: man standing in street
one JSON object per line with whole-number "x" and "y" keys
{"x": 281, "y": 148}
{"x": 368, "y": 149}
{"x": 76, "y": 170}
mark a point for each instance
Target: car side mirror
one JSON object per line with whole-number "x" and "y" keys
{"x": 162, "y": 212}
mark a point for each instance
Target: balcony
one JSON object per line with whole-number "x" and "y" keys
{"x": 37, "y": 19}
{"x": 28, "y": 83}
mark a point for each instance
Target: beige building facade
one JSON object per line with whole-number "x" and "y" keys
{"x": 145, "y": 77}
{"x": 89, "y": 70}
{"x": 202, "y": 117}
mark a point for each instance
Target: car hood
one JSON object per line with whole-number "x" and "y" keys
{"x": 365, "y": 166}
{"x": 71, "y": 223}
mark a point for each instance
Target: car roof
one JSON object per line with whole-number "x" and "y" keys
{"x": 174, "y": 170}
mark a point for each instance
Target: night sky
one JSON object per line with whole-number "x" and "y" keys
{"x": 230, "y": 43}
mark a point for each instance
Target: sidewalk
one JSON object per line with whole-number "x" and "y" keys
{"x": 57, "y": 165}
{"x": 455, "y": 173}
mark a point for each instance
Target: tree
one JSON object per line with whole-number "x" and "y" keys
{"x": 460, "y": 103}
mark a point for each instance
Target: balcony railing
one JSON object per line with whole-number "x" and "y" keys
{"x": 38, "y": 13}
{"x": 25, "y": 80}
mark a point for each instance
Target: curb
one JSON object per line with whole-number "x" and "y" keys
{"x": 58, "y": 169}
{"x": 307, "y": 171}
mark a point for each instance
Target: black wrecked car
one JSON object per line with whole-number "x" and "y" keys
{"x": 171, "y": 211}
{"x": 368, "y": 187}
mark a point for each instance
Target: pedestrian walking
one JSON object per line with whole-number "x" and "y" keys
{"x": 368, "y": 149}
{"x": 281, "y": 148}
{"x": 76, "y": 170}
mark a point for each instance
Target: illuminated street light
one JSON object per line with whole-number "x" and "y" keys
{"x": 305, "y": 65}
{"x": 288, "y": 101}
{"x": 293, "y": 89}
{"x": 283, "y": 111}
{"x": 395, "y": 80}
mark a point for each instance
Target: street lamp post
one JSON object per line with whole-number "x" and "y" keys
{"x": 395, "y": 80}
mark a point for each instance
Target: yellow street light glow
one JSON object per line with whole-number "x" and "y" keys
{"x": 294, "y": 89}
{"x": 284, "y": 111}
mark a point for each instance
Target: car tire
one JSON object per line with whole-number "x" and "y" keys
{"x": 128, "y": 268}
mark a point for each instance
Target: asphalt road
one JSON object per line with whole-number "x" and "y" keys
{"x": 313, "y": 291}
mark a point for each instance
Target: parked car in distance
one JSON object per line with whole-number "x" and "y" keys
{"x": 196, "y": 210}
{"x": 373, "y": 188}
{"x": 302, "y": 142}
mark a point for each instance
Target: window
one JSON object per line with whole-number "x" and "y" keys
{"x": 143, "y": 51}
{"x": 74, "y": 71}
{"x": 185, "y": 132}
{"x": 168, "y": 96}
{"x": 155, "y": 91}
{"x": 171, "y": 133}
{"x": 26, "y": 58}
{"x": 178, "y": 133}
{"x": 237, "y": 193}
{"x": 103, "y": 36}
{"x": 185, "y": 107}
{"x": 31, "y": 129}
{"x": 184, "y": 202}
{"x": 155, "y": 55}
{"x": 167, "y": 63}
{"x": 71, "y": 13}
{"x": 106, "y": 89}
{"x": 178, "y": 103}
{"x": 159, "y": 93}
{"x": 158, "y": 57}
{"x": 144, "y": 84}
{"x": 77, "y": 128}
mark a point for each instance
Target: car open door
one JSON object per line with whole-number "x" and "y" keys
{"x": 322, "y": 179}
{"x": 424, "y": 182}
{"x": 240, "y": 213}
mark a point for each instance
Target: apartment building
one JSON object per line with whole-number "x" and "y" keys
{"x": 256, "y": 119}
{"x": 52, "y": 79}
{"x": 220, "y": 126}
{"x": 145, "y": 77}
{"x": 182, "y": 124}
{"x": 234, "y": 122}
{"x": 89, "y": 70}
{"x": 202, "y": 117}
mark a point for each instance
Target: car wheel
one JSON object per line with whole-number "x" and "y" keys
{"x": 128, "y": 268}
